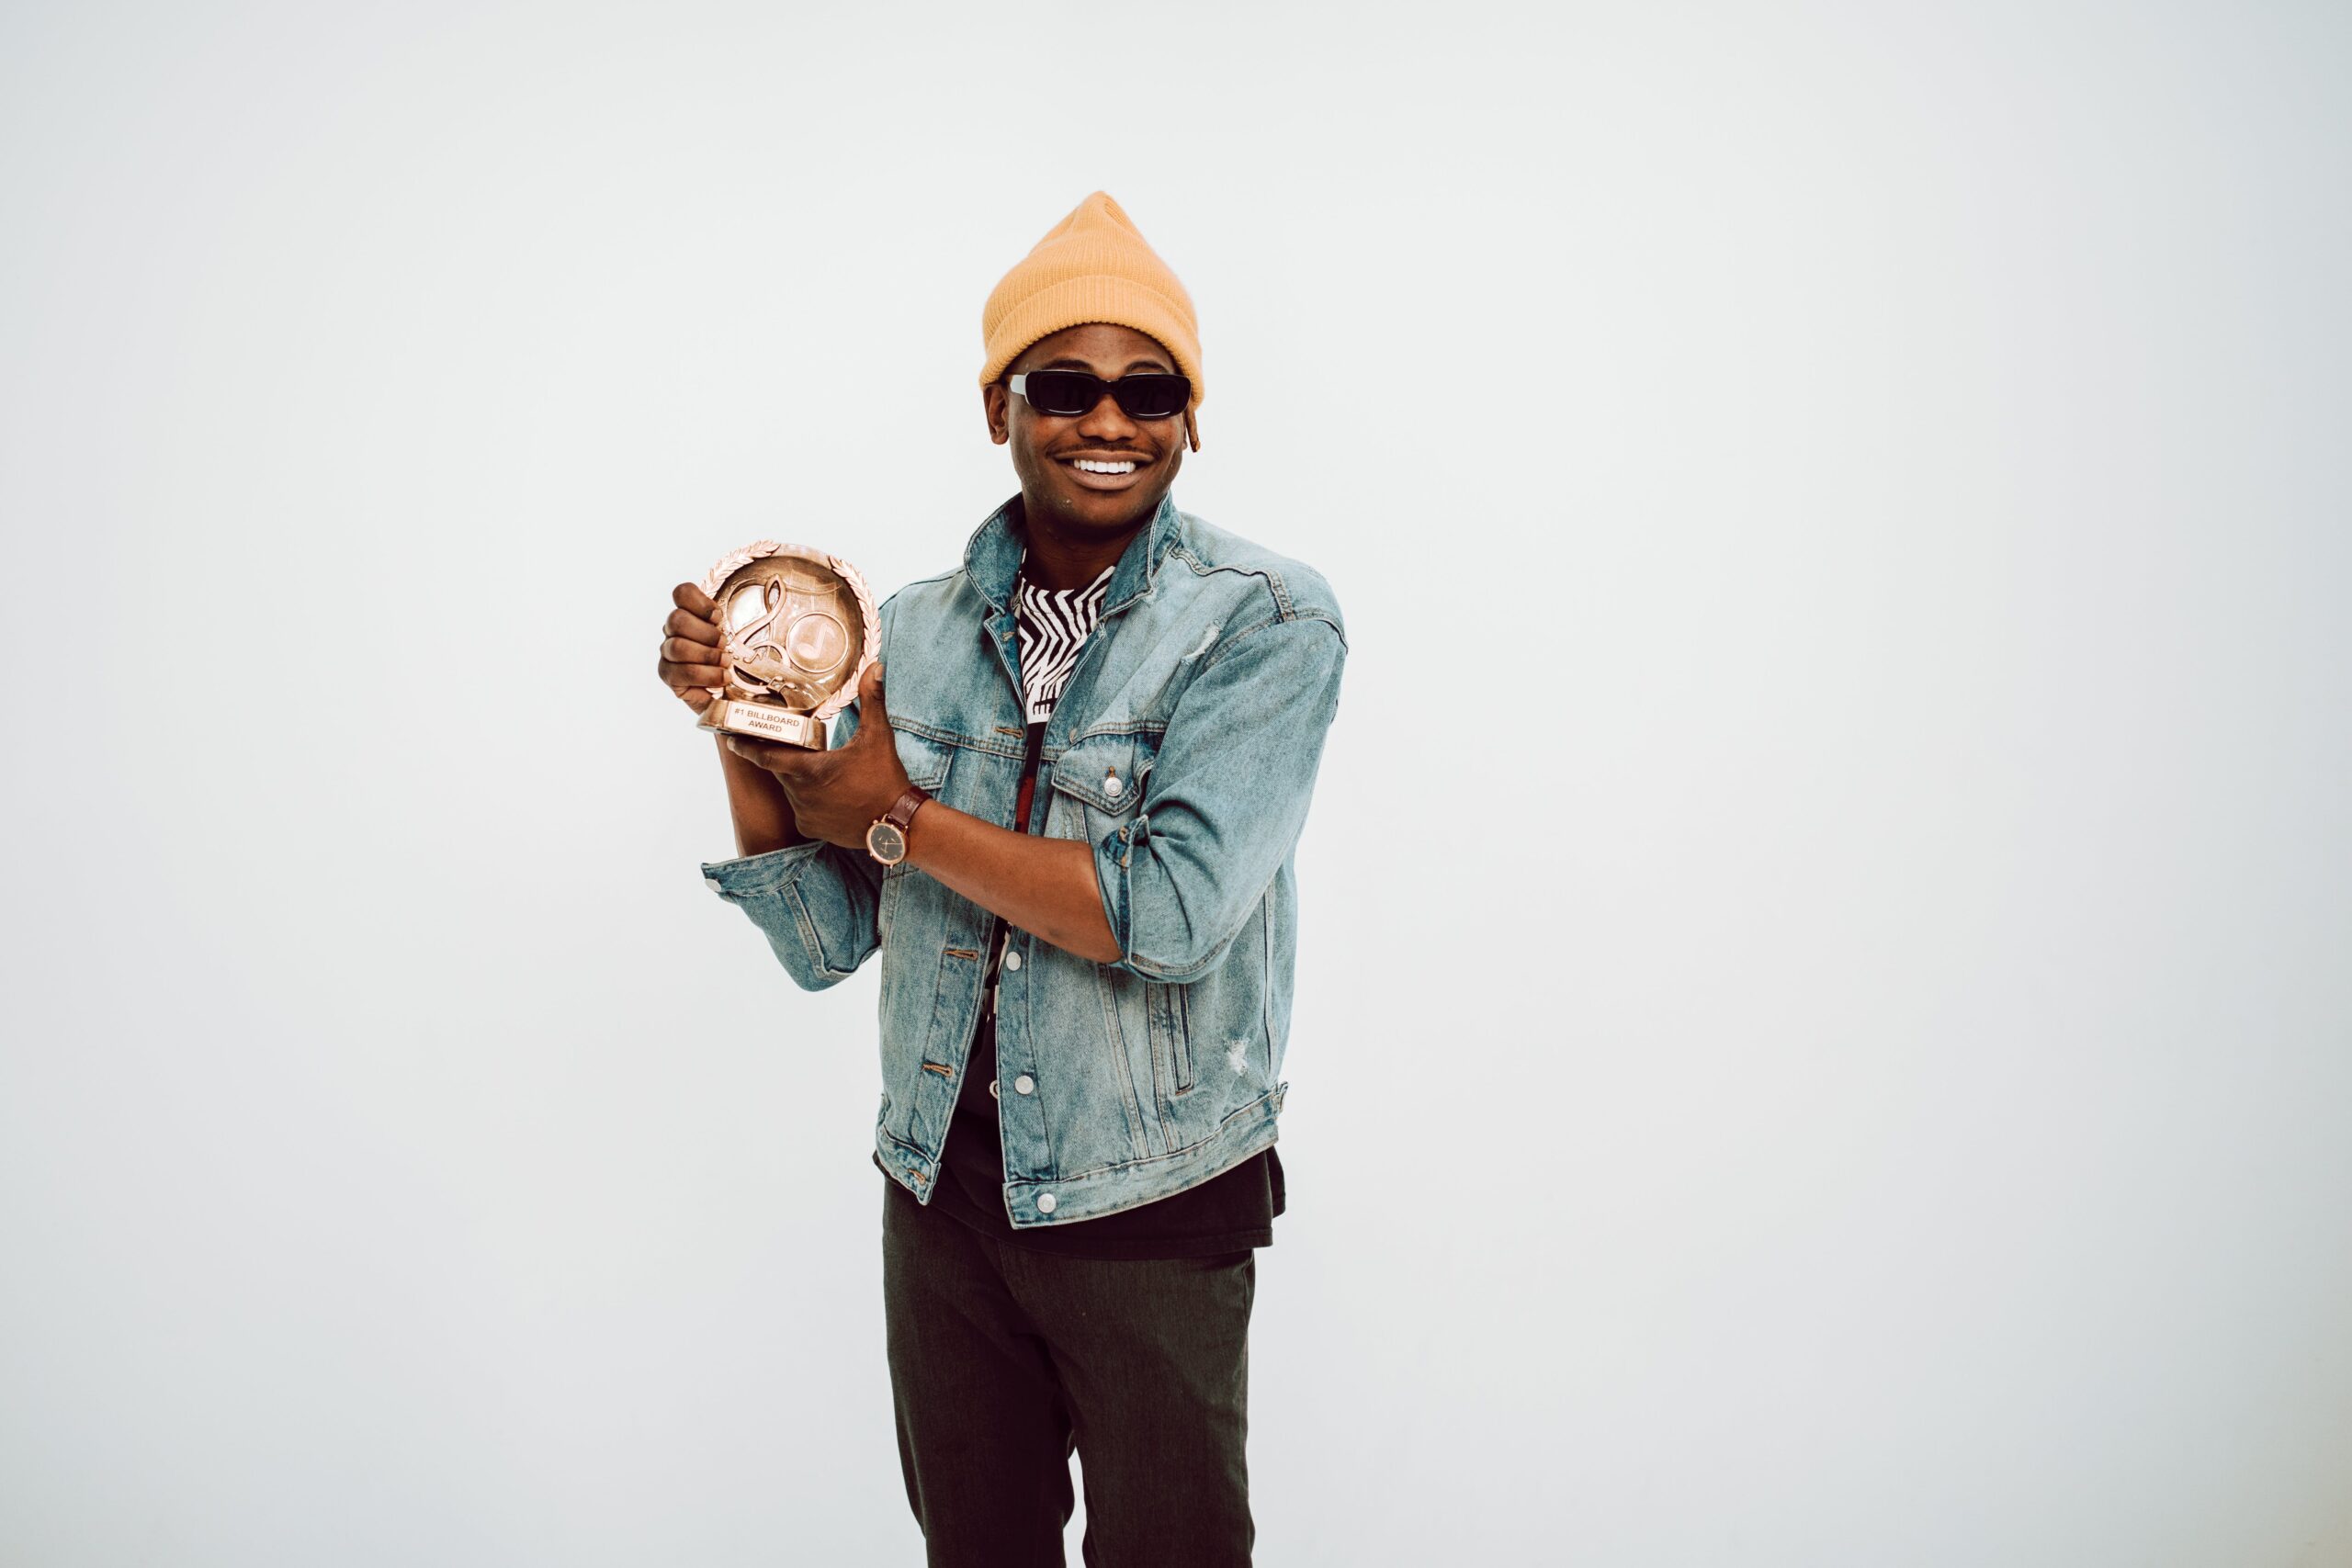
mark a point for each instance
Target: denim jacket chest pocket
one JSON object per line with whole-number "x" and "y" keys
{"x": 927, "y": 763}
{"x": 926, "y": 760}
{"x": 1100, "y": 783}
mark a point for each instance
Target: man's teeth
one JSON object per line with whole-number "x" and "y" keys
{"x": 1087, "y": 465}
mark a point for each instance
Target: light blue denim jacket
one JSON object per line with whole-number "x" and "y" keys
{"x": 1184, "y": 749}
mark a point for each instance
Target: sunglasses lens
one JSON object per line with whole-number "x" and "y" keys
{"x": 1064, "y": 393}
{"x": 1152, "y": 396}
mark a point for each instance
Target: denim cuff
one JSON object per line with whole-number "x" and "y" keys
{"x": 816, "y": 911}
{"x": 1114, "y": 874}
{"x": 766, "y": 871}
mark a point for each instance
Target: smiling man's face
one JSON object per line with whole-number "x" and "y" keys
{"x": 1046, "y": 449}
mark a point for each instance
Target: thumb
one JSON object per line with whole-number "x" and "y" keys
{"x": 870, "y": 706}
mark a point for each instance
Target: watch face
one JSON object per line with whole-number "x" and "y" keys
{"x": 886, "y": 843}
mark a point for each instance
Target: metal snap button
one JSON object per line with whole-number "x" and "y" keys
{"x": 1012, "y": 959}
{"x": 1025, "y": 1084}
{"x": 714, "y": 884}
{"x": 1112, "y": 785}
{"x": 1045, "y": 1202}
{"x": 993, "y": 1093}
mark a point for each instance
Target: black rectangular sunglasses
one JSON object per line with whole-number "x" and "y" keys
{"x": 1069, "y": 393}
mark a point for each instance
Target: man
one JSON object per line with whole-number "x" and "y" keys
{"x": 1069, "y": 829}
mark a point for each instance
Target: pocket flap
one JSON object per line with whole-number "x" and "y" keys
{"x": 925, "y": 759}
{"x": 1107, "y": 772}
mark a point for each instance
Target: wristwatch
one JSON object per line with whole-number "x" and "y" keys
{"x": 886, "y": 840}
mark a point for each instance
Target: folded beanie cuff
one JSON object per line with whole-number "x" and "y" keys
{"x": 1119, "y": 301}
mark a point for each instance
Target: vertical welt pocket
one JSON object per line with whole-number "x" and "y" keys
{"x": 894, "y": 877}
{"x": 1170, "y": 1038}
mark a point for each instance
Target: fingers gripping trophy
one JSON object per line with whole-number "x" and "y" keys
{"x": 796, "y": 627}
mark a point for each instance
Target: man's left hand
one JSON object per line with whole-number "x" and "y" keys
{"x": 837, "y": 795}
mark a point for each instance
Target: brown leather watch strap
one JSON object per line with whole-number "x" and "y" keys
{"x": 902, "y": 810}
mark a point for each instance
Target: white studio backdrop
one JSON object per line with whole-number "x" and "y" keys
{"x": 1823, "y": 1031}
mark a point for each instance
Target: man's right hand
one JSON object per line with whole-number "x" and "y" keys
{"x": 690, "y": 664}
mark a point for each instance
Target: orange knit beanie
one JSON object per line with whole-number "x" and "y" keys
{"x": 1093, "y": 265}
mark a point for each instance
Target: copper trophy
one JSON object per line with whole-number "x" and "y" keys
{"x": 796, "y": 629}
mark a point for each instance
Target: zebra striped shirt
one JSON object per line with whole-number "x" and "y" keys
{"x": 1053, "y": 624}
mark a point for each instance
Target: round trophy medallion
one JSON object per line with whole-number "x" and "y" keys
{"x": 796, "y": 629}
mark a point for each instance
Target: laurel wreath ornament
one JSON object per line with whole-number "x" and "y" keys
{"x": 869, "y": 620}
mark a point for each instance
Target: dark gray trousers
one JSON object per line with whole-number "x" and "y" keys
{"x": 1004, "y": 1360}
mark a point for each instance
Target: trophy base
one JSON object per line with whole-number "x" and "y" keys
{"x": 764, "y": 721}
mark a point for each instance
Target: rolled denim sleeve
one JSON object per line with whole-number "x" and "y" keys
{"x": 818, "y": 903}
{"x": 815, "y": 902}
{"x": 1226, "y": 799}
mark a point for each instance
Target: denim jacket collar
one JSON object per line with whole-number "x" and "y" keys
{"x": 992, "y": 558}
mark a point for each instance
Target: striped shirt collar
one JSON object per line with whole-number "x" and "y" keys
{"x": 1054, "y": 623}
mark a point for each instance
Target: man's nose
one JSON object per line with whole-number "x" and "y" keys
{"x": 1107, "y": 419}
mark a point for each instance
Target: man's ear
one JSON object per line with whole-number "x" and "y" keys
{"x": 993, "y": 404}
{"x": 1192, "y": 430}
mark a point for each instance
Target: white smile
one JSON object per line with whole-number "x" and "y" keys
{"x": 1088, "y": 466}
